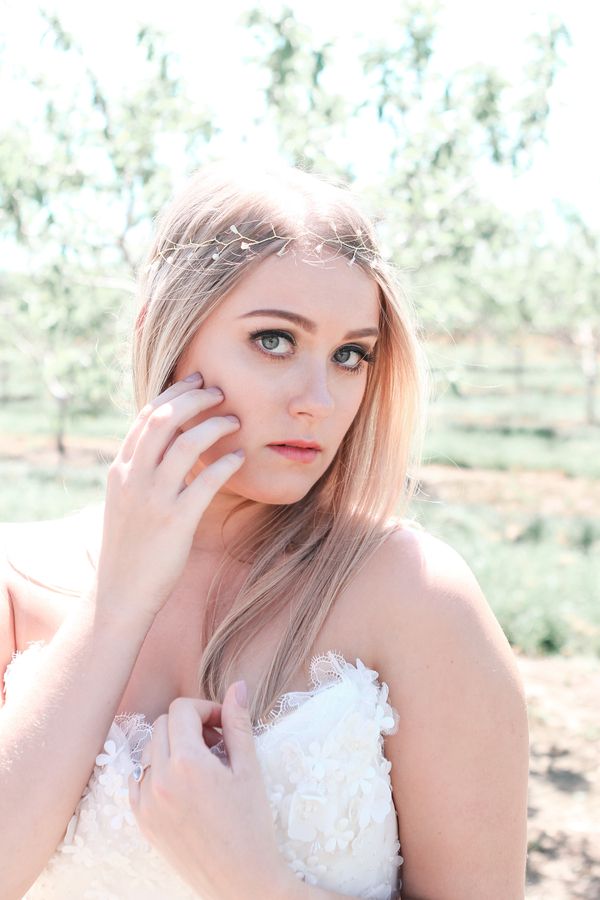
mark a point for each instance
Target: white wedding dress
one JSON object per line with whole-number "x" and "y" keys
{"x": 327, "y": 778}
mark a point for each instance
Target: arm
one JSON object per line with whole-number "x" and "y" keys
{"x": 51, "y": 733}
{"x": 460, "y": 757}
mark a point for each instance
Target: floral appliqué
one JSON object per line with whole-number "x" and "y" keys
{"x": 327, "y": 779}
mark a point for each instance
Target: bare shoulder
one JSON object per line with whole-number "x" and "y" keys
{"x": 460, "y": 755}
{"x": 430, "y": 617}
{"x": 418, "y": 557}
{"x": 52, "y": 549}
{"x": 45, "y": 566}
{"x": 425, "y": 590}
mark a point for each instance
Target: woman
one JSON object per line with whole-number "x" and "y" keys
{"x": 256, "y": 607}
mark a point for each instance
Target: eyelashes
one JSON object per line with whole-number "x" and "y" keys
{"x": 366, "y": 357}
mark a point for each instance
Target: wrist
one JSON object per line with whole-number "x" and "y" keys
{"x": 111, "y": 611}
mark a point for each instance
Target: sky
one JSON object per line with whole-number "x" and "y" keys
{"x": 211, "y": 46}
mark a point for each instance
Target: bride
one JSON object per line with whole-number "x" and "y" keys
{"x": 264, "y": 679}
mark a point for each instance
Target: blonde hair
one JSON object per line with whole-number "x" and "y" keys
{"x": 224, "y": 221}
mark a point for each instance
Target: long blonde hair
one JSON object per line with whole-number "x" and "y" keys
{"x": 301, "y": 554}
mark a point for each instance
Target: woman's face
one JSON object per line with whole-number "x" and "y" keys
{"x": 292, "y": 380}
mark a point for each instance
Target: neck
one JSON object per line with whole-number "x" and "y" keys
{"x": 218, "y": 528}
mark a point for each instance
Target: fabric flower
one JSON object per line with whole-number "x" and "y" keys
{"x": 111, "y": 780}
{"x": 305, "y": 872}
{"x": 375, "y": 805}
{"x": 119, "y": 814}
{"x": 292, "y": 756}
{"x": 310, "y": 812}
{"x": 363, "y": 783}
{"x": 321, "y": 761}
{"x": 110, "y": 755}
{"x": 340, "y": 837}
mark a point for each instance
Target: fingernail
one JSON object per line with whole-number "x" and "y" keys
{"x": 195, "y": 377}
{"x": 241, "y": 693}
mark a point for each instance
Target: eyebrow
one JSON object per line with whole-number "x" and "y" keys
{"x": 307, "y": 324}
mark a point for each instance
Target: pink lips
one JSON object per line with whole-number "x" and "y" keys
{"x": 298, "y": 454}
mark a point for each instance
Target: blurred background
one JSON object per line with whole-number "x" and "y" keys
{"x": 468, "y": 130}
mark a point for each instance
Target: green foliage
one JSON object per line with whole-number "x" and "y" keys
{"x": 305, "y": 112}
{"x": 541, "y": 585}
{"x": 83, "y": 204}
{"x": 80, "y": 212}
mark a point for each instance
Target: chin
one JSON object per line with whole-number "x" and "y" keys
{"x": 276, "y": 494}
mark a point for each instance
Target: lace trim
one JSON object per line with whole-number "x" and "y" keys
{"x": 136, "y": 730}
{"x": 326, "y": 670}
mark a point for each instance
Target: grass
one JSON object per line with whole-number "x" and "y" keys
{"x": 539, "y": 574}
{"x": 503, "y": 448}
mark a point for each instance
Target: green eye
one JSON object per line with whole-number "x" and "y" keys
{"x": 270, "y": 337}
{"x": 256, "y": 337}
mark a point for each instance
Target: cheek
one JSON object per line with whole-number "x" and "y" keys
{"x": 350, "y": 399}
{"x": 231, "y": 367}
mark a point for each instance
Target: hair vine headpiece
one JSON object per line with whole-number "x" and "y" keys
{"x": 246, "y": 243}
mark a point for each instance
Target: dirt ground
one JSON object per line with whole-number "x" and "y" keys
{"x": 563, "y": 697}
{"x": 545, "y": 493}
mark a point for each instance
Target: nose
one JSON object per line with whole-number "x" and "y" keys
{"x": 312, "y": 395}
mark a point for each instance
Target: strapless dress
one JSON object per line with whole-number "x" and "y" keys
{"x": 327, "y": 778}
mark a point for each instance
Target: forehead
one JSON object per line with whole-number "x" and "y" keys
{"x": 317, "y": 287}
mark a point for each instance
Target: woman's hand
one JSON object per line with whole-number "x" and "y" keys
{"x": 150, "y": 514}
{"x": 211, "y": 820}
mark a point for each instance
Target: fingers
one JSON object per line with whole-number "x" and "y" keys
{"x": 159, "y": 422}
{"x": 185, "y": 449}
{"x": 161, "y": 454}
{"x": 194, "y": 499}
{"x": 129, "y": 443}
{"x": 188, "y": 728}
{"x": 160, "y": 748}
{"x": 188, "y": 718}
{"x": 165, "y": 421}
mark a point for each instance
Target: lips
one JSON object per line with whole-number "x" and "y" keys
{"x": 297, "y": 451}
{"x": 304, "y": 445}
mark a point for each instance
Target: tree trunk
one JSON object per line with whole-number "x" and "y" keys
{"x": 4, "y": 380}
{"x": 60, "y": 426}
{"x": 588, "y": 341}
{"x": 519, "y": 349}
{"x": 591, "y": 382}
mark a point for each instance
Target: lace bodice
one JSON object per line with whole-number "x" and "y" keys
{"x": 327, "y": 778}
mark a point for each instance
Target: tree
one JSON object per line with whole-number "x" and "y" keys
{"x": 575, "y": 294}
{"x": 438, "y": 125}
{"x": 78, "y": 204}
